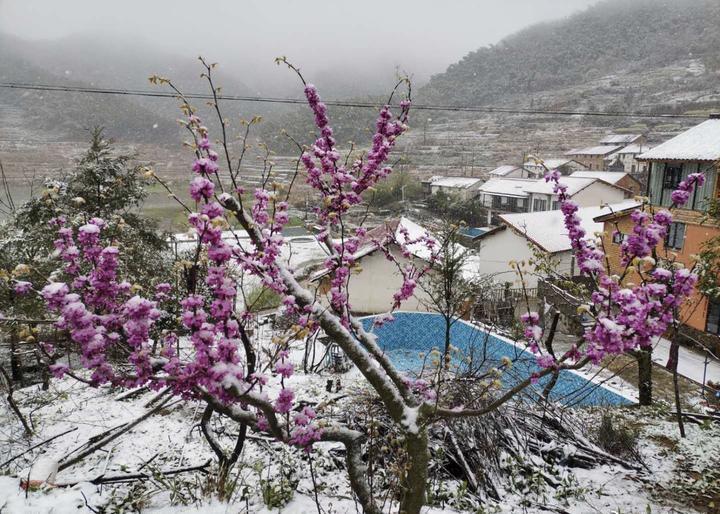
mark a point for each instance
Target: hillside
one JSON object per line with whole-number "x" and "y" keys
{"x": 615, "y": 37}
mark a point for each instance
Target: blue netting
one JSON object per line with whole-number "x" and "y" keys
{"x": 413, "y": 333}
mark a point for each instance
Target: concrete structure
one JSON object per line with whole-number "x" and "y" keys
{"x": 620, "y": 179}
{"x": 594, "y": 157}
{"x": 695, "y": 150}
{"x": 463, "y": 188}
{"x": 519, "y": 233}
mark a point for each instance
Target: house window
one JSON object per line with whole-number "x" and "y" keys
{"x": 673, "y": 176}
{"x": 555, "y": 205}
{"x": 712, "y": 324}
{"x": 521, "y": 202}
{"x": 539, "y": 205}
{"x": 503, "y": 200}
{"x": 618, "y": 237}
{"x": 675, "y": 236}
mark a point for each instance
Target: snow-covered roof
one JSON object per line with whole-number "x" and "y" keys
{"x": 395, "y": 227}
{"x": 700, "y": 143}
{"x": 501, "y": 171}
{"x": 547, "y": 229}
{"x": 595, "y": 150}
{"x": 506, "y": 187}
{"x": 550, "y": 164}
{"x": 611, "y": 177}
{"x": 574, "y": 184}
{"x": 620, "y": 139}
{"x": 456, "y": 182}
{"x": 635, "y": 148}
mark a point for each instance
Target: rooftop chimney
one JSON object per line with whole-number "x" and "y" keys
{"x": 715, "y": 115}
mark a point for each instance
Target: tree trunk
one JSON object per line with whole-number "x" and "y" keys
{"x": 672, "y": 365}
{"x": 414, "y": 483}
{"x": 644, "y": 360}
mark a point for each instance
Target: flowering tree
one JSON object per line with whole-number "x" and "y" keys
{"x": 218, "y": 365}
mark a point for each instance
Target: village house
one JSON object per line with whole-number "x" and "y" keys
{"x": 623, "y": 139}
{"x": 520, "y": 233}
{"x": 373, "y": 285}
{"x": 463, "y": 188}
{"x": 626, "y": 160}
{"x": 510, "y": 171}
{"x": 695, "y": 150}
{"x": 620, "y": 179}
{"x": 594, "y": 157}
{"x": 564, "y": 165}
{"x": 586, "y": 192}
{"x": 504, "y": 195}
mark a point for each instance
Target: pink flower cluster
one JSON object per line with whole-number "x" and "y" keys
{"x": 625, "y": 317}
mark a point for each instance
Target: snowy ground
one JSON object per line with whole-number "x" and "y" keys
{"x": 172, "y": 440}
{"x": 691, "y": 364}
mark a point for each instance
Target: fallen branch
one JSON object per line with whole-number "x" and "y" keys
{"x": 114, "y": 479}
{"x": 37, "y": 446}
{"x": 115, "y": 433}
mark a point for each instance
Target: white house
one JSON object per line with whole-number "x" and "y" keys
{"x": 520, "y": 232}
{"x": 504, "y": 195}
{"x": 372, "y": 287}
{"x": 586, "y": 192}
{"x": 616, "y": 178}
{"x": 460, "y": 187}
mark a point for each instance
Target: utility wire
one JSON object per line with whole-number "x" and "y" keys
{"x": 339, "y": 103}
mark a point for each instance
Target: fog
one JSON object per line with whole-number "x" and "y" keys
{"x": 356, "y": 42}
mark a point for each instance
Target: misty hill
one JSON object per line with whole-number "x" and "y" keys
{"x": 615, "y": 37}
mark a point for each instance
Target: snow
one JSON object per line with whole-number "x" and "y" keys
{"x": 700, "y": 143}
{"x": 506, "y": 187}
{"x": 549, "y": 163}
{"x": 635, "y": 149}
{"x": 611, "y": 177}
{"x": 547, "y": 229}
{"x": 574, "y": 185}
{"x": 617, "y": 139}
{"x": 595, "y": 150}
{"x": 501, "y": 171}
{"x": 691, "y": 364}
{"x": 456, "y": 182}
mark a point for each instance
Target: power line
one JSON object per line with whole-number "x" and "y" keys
{"x": 339, "y": 103}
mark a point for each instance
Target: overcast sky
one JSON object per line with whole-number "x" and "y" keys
{"x": 421, "y": 36}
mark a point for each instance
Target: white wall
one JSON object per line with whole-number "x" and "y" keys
{"x": 498, "y": 249}
{"x": 598, "y": 193}
{"x": 372, "y": 289}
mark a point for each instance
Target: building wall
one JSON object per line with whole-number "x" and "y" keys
{"x": 630, "y": 184}
{"x": 498, "y": 249}
{"x": 591, "y": 162}
{"x": 694, "y": 312}
{"x": 598, "y": 193}
{"x": 371, "y": 290}
{"x": 461, "y": 193}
